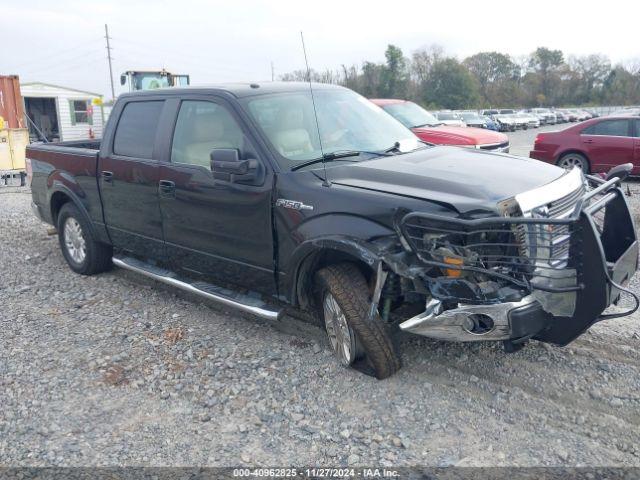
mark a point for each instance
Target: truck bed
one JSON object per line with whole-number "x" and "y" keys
{"x": 71, "y": 165}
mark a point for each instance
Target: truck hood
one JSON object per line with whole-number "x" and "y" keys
{"x": 460, "y": 178}
{"x": 452, "y": 135}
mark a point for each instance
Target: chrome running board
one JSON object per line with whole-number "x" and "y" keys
{"x": 245, "y": 303}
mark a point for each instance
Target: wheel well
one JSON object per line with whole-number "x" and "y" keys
{"x": 58, "y": 199}
{"x": 567, "y": 152}
{"x": 305, "y": 278}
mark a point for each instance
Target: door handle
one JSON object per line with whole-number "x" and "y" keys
{"x": 107, "y": 176}
{"x": 167, "y": 188}
{"x": 589, "y": 140}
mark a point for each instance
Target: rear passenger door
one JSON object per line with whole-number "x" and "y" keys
{"x": 213, "y": 226}
{"x": 128, "y": 174}
{"x": 608, "y": 143}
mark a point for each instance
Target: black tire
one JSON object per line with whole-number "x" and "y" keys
{"x": 348, "y": 286}
{"x": 97, "y": 256}
{"x": 571, "y": 159}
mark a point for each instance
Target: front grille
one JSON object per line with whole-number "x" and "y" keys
{"x": 552, "y": 241}
{"x": 495, "y": 146}
{"x": 530, "y": 248}
{"x": 514, "y": 249}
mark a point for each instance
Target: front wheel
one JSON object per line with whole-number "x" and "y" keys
{"x": 344, "y": 306}
{"x": 572, "y": 160}
{"x": 80, "y": 249}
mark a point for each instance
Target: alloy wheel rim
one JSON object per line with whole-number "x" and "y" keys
{"x": 571, "y": 161}
{"x": 74, "y": 240}
{"x": 340, "y": 334}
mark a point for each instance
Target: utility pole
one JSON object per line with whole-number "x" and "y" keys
{"x": 273, "y": 76}
{"x": 106, "y": 35}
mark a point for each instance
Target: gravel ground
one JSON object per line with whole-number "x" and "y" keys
{"x": 116, "y": 370}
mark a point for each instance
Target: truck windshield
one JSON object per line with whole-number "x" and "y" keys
{"x": 149, "y": 80}
{"x": 347, "y": 122}
{"x": 411, "y": 115}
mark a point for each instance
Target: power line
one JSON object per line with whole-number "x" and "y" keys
{"x": 173, "y": 53}
{"x": 54, "y": 54}
{"x": 60, "y": 64}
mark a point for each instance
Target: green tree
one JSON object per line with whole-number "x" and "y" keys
{"x": 545, "y": 63}
{"x": 494, "y": 73}
{"x": 591, "y": 71}
{"x": 371, "y": 83}
{"x": 450, "y": 85}
{"x": 621, "y": 87}
{"x": 394, "y": 73}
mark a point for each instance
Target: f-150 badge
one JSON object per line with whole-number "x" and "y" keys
{"x": 292, "y": 204}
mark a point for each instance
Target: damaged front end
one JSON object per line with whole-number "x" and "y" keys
{"x": 546, "y": 268}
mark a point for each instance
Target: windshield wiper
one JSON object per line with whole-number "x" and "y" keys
{"x": 337, "y": 155}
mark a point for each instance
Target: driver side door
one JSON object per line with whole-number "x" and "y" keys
{"x": 215, "y": 227}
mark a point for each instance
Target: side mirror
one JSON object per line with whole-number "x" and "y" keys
{"x": 227, "y": 166}
{"x": 620, "y": 171}
{"x": 123, "y": 79}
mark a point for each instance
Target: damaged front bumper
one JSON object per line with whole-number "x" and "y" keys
{"x": 603, "y": 252}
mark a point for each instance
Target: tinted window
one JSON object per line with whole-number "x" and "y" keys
{"x": 618, "y": 128}
{"x": 636, "y": 132}
{"x": 137, "y": 128}
{"x": 201, "y": 127}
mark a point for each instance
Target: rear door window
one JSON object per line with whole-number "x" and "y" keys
{"x": 136, "y": 131}
{"x": 610, "y": 128}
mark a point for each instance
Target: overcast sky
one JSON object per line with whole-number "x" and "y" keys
{"x": 62, "y": 41}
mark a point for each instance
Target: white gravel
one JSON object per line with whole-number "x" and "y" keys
{"x": 116, "y": 370}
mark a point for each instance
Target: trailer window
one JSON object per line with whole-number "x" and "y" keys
{"x": 136, "y": 130}
{"x": 79, "y": 111}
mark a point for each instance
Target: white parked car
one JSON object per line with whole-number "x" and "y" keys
{"x": 571, "y": 115}
{"x": 581, "y": 115}
{"x": 549, "y": 116}
{"x": 450, "y": 118}
{"x": 532, "y": 121}
{"x": 507, "y": 123}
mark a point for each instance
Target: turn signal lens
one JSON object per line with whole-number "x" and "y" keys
{"x": 451, "y": 272}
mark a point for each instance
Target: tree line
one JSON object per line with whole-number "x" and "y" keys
{"x": 434, "y": 79}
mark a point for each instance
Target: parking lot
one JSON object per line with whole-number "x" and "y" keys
{"x": 522, "y": 140}
{"x": 118, "y": 370}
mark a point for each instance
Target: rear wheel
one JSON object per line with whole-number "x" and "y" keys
{"x": 572, "y": 160}
{"x": 80, "y": 249}
{"x": 344, "y": 306}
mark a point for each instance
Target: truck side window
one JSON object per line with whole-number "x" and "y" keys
{"x": 136, "y": 130}
{"x": 203, "y": 126}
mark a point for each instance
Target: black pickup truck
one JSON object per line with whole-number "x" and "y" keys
{"x": 277, "y": 196}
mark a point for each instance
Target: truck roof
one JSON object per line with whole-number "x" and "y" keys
{"x": 238, "y": 90}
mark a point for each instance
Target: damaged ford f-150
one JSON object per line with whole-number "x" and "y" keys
{"x": 308, "y": 198}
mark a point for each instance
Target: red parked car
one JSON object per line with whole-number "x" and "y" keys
{"x": 595, "y": 145}
{"x": 428, "y": 128}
